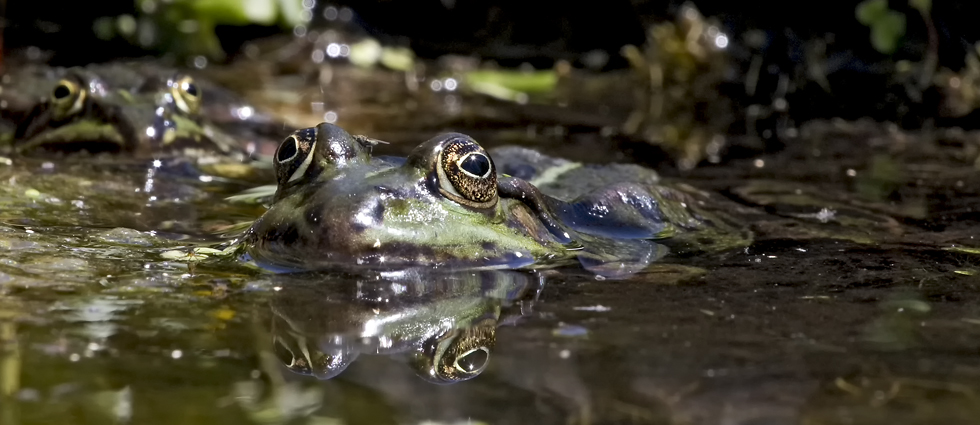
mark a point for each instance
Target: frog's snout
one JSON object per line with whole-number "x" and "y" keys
{"x": 148, "y": 126}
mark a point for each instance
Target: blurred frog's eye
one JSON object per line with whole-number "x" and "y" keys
{"x": 295, "y": 155}
{"x": 67, "y": 98}
{"x": 186, "y": 95}
{"x": 466, "y": 174}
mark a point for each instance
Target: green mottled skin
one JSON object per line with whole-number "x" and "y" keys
{"x": 448, "y": 232}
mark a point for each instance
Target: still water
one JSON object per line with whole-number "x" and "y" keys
{"x": 842, "y": 311}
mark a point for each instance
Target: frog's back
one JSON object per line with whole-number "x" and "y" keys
{"x": 564, "y": 179}
{"x": 698, "y": 217}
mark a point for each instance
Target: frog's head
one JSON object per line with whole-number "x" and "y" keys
{"x": 115, "y": 110}
{"x": 336, "y": 204}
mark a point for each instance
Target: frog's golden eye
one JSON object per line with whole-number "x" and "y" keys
{"x": 466, "y": 174}
{"x": 67, "y": 98}
{"x": 294, "y": 155}
{"x": 186, "y": 95}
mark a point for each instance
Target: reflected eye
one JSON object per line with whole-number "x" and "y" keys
{"x": 67, "y": 97}
{"x": 186, "y": 95}
{"x": 457, "y": 355}
{"x": 288, "y": 356}
{"x": 473, "y": 361}
{"x": 466, "y": 174}
{"x": 294, "y": 155}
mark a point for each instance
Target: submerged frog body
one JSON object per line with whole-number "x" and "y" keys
{"x": 138, "y": 109}
{"x": 446, "y": 205}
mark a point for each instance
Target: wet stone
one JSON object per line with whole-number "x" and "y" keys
{"x": 125, "y": 236}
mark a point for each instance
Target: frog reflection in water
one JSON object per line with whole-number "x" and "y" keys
{"x": 445, "y": 206}
{"x": 137, "y": 109}
{"x": 446, "y": 323}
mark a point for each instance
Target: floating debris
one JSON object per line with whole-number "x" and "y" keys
{"x": 196, "y": 254}
{"x": 567, "y": 330}
{"x": 963, "y": 249}
{"x": 597, "y": 308}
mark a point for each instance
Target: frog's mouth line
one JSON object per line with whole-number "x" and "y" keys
{"x": 77, "y": 137}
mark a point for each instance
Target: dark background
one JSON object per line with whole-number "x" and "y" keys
{"x": 541, "y": 32}
{"x": 521, "y": 31}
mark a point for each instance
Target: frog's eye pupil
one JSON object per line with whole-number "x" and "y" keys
{"x": 473, "y": 361}
{"x": 191, "y": 89}
{"x": 476, "y": 164}
{"x": 62, "y": 91}
{"x": 287, "y": 151}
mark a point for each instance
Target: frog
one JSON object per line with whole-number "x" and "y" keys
{"x": 447, "y": 205}
{"x": 137, "y": 109}
{"x": 443, "y": 322}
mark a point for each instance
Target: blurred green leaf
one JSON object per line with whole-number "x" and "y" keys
{"x": 291, "y": 13}
{"x": 234, "y": 12}
{"x": 527, "y": 82}
{"x": 187, "y": 27}
{"x": 924, "y": 6}
{"x": 887, "y": 26}
{"x": 887, "y": 31}
{"x": 869, "y": 11}
{"x": 365, "y": 53}
{"x": 397, "y": 58}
